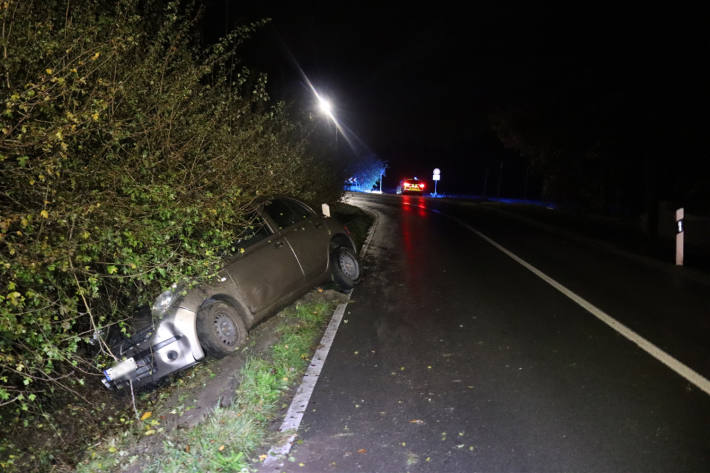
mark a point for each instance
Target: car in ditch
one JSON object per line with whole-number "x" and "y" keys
{"x": 288, "y": 250}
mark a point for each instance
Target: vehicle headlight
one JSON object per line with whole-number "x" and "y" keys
{"x": 163, "y": 302}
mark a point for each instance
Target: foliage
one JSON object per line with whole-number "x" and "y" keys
{"x": 128, "y": 160}
{"x": 606, "y": 133}
{"x": 366, "y": 172}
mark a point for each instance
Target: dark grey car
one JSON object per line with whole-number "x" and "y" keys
{"x": 288, "y": 250}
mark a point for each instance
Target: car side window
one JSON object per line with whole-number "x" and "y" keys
{"x": 255, "y": 231}
{"x": 301, "y": 211}
{"x": 281, "y": 213}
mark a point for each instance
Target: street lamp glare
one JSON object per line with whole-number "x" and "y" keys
{"x": 325, "y": 106}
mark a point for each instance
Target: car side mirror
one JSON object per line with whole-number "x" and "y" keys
{"x": 325, "y": 208}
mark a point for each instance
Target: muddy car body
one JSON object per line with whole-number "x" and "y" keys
{"x": 288, "y": 250}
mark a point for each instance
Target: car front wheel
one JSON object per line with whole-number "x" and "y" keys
{"x": 344, "y": 268}
{"x": 220, "y": 329}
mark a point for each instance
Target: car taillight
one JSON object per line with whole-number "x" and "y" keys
{"x": 421, "y": 185}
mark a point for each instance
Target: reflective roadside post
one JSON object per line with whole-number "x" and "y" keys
{"x": 679, "y": 234}
{"x": 436, "y": 178}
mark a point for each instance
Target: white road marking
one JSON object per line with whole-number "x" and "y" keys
{"x": 277, "y": 453}
{"x": 294, "y": 415}
{"x": 686, "y": 372}
{"x": 370, "y": 233}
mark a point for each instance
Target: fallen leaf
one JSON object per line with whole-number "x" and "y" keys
{"x": 362, "y": 450}
{"x": 221, "y": 447}
{"x": 149, "y": 432}
{"x": 262, "y": 457}
{"x": 187, "y": 448}
{"x": 416, "y": 421}
{"x": 146, "y": 415}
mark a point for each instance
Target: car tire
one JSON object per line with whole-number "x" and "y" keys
{"x": 220, "y": 329}
{"x": 344, "y": 268}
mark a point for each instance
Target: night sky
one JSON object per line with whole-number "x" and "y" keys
{"x": 418, "y": 87}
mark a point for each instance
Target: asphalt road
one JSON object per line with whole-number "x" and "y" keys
{"x": 453, "y": 357}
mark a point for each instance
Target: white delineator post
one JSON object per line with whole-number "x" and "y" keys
{"x": 679, "y": 233}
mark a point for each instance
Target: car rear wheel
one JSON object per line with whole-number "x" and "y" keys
{"x": 344, "y": 268}
{"x": 220, "y": 329}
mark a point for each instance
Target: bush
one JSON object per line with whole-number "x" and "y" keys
{"x": 129, "y": 158}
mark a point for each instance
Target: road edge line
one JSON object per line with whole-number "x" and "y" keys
{"x": 277, "y": 453}
{"x": 289, "y": 427}
{"x": 678, "y": 367}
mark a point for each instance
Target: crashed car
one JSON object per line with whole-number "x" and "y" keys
{"x": 288, "y": 250}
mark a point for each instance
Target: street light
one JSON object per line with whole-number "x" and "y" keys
{"x": 325, "y": 106}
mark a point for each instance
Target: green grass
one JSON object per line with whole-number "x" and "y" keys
{"x": 355, "y": 219}
{"x": 229, "y": 439}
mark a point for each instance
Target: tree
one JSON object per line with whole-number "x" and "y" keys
{"x": 366, "y": 171}
{"x": 129, "y": 160}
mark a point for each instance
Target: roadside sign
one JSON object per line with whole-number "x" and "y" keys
{"x": 437, "y": 174}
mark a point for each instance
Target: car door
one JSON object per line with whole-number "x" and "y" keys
{"x": 309, "y": 239}
{"x": 264, "y": 266}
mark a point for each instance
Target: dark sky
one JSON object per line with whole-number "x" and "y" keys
{"x": 417, "y": 86}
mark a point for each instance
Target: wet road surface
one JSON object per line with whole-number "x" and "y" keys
{"x": 452, "y": 357}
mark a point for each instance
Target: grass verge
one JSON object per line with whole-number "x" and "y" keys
{"x": 356, "y": 220}
{"x": 228, "y": 440}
